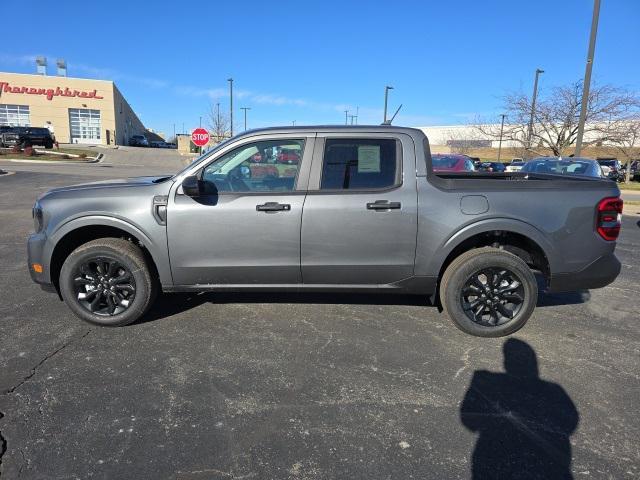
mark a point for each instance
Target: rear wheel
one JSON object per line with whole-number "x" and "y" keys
{"x": 107, "y": 282}
{"x": 488, "y": 292}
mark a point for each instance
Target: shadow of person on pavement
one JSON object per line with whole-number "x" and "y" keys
{"x": 524, "y": 423}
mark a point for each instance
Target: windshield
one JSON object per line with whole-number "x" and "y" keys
{"x": 558, "y": 167}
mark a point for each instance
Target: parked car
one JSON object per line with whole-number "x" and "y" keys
{"x": 612, "y": 163}
{"x": 138, "y": 141}
{"x": 26, "y": 136}
{"x": 378, "y": 217}
{"x": 564, "y": 166}
{"x": 492, "y": 167}
{"x": 443, "y": 162}
{"x": 157, "y": 144}
{"x": 288, "y": 156}
{"x": 515, "y": 165}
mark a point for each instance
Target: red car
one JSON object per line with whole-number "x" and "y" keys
{"x": 443, "y": 162}
{"x": 288, "y": 156}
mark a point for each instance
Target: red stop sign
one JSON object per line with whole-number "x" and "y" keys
{"x": 200, "y": 137}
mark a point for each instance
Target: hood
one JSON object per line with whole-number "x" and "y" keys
{"x": 117, "y": 183}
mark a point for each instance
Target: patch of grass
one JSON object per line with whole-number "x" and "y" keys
{"x": 51, "y": 158}
{"x": 77, "y": 151}
{"x": 629, "y": 186}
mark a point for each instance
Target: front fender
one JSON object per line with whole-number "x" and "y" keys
{"x": 156, "y": 248}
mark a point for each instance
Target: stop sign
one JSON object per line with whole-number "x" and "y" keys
{"x": 200, "y": 137}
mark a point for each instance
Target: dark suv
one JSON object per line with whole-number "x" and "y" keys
{"x": 26, "y": 136}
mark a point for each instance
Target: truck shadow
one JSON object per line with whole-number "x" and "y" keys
{"x": 169, "y": 304}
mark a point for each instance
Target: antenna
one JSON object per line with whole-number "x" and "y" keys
{"x": 388, "y": 122}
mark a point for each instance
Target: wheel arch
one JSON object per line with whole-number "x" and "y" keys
{"x": 515, "y": 236}
{"x": 84, "y": 229}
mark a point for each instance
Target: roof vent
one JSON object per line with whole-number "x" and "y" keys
{"x": 41, "y": 65}
{"x": 61, "y": 63}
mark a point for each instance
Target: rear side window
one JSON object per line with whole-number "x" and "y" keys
{"x": 360, "y": 164}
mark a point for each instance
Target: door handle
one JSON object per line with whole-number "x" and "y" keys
{"x": 383, "y": 205}
{"x": 273, "y": 207}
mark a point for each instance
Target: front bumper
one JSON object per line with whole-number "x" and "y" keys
{"x": 35, "y": 249}
{"x": 597, "y": 274}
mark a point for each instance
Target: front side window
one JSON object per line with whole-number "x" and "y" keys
{"x": 265, "y": 166}
{"x": 359, "y": 164}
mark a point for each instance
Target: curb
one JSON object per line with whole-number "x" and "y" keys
{"x": 52, "y": 162}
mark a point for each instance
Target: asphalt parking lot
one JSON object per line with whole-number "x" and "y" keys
{"x": 307, "y": 386}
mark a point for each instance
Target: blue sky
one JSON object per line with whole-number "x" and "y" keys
{"x": 309, "y": 61}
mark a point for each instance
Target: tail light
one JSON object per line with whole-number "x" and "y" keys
{"x": 609, "y": 218}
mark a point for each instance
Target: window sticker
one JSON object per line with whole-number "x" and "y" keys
{"x": 368, "y": 158}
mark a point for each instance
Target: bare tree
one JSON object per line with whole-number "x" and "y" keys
{"x": 555, "y": 124}
{"x": 624, "y": 135}
{"x": 219, "y": 123}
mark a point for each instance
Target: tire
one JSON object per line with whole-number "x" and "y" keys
{"x": 48, "y": 145}
{"x": 124, "y": 294}
{"x": 511, "y": 285}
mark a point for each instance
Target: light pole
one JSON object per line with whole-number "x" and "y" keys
{"x": 500, "y": 142}
{"x": 386, "y": 98}
{"x": 587, "y": 75}
{"x": 200, "y": 121}
{"x": 230, "y": 80}
{"x": 533, "y": 105}
{"x": 245, "y": 115}
{"x": 293, "y": 123}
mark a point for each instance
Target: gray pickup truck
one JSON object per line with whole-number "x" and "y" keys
{"x": 357, "y": 209}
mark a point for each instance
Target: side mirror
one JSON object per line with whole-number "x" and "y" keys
{"x": 191, "y": 186}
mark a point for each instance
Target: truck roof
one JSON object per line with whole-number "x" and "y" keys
{"x": 333, "y": 128}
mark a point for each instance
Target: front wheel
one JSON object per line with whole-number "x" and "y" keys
{"x": 107, "y": 282}
{"x": 488, "y": 292}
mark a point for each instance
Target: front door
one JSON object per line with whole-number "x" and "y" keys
{"x": 360, "y": 216}
{"x": 245, "y": 227}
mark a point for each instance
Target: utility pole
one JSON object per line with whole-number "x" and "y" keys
{"x": 357, "y": 113}
{"x": 174, "y": 132}
{"x": 500, "y": 142}
{"x": 587, "y": 76}
{"x": 386, "y": 98}
{"x": 200, "y": 121}
{"x": 230, "y": 80}
{"x": 533, "y": 105}
{"x": 245, "y": 115}
{"x": 293, "y": 123}
{"x": 346, "y": 117}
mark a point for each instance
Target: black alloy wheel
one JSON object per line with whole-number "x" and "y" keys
{"x": 107, "y": 282}
{"x": 488, "y": 292}
{"x": 492, "y": 296}
{"x": 104, "y": 286}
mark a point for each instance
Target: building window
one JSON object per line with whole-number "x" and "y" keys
{"x": 85, "y": 125}
{"x": 14, "y": 115}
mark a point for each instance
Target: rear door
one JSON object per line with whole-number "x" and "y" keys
{"x": 360, "y": 216}
{"x": 245, "y": 228}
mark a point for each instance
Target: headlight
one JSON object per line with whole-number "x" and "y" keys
{"x": 36, "y": 213}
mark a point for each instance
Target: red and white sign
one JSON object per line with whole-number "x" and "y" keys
{"x": 200, "y": 137}
{"x": 48, "y": 92}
